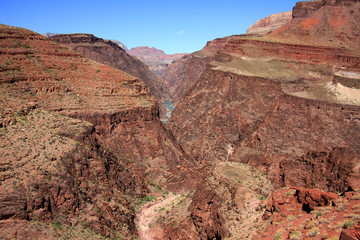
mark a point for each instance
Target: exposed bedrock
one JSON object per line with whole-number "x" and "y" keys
{"x": 297, "y": 141}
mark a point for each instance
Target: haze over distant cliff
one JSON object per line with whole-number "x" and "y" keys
{"x": 156, "y": 59}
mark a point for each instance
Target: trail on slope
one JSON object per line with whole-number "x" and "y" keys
{"x": 148, "y": 215}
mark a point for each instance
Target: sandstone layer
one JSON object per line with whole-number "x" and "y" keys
{"x": 82, "y": 146}
{"x": 270, "y": 23}
{"x": 281, "y": 104}
{"x": 109, "y": 53}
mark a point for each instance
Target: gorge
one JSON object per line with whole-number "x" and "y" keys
{"x": 263, "y": 141}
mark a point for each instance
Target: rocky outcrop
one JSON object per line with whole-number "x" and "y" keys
{"x": 351, "y": 234}
{"x": 205, "y": 220}
{"x": 288, "y": 214}
{"x": 304, "y": 9}
{"x": 229, "y": 107}
{"x": 270, "y": 23}
{"x": 184, "y": 73}
{"x": 323, "y": 23}
{"x": 109, "y": 53}
{"x": 311, "y": 198}
{"x": 265, "y": 126}
{"x": 156, "y": 59}
{"x": 85, "y": 145}
{"x": 306, "y": 199}
{"x": 266, "y": 102}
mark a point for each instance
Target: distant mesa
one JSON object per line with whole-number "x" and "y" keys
{"x": 156, "y": 59}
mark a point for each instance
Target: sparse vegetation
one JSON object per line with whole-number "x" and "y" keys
{"x": 313, "y": 232}
{"x": 311, "y": 224}
{"x": 294, "y": 235}
{"x": 348, "y": 224}
{"x": 278, "y": 235}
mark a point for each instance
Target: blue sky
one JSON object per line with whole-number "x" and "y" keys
{"x": 173, "y": 26}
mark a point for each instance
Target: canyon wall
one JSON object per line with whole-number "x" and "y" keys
{"x": 109, "y": 53}
{"x": 270, "y": 23}
{"x": 81, "y": 143}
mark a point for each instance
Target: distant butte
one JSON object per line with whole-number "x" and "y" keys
{"x": 157, "y": 60}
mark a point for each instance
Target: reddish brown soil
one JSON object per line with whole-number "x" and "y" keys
{"x": 87, "y": 157}
{"x": 309, "y": 214}
{"x": 353, "y": 233}
{"x": 86, "y": 175}
{"x": 109, "y": 53}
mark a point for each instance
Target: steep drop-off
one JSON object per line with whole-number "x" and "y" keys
{"x": 288, "y": 107}
{"x": 184, "y": 73}
{"x": 82, "y": 147}
{"x": 109, "y": 53}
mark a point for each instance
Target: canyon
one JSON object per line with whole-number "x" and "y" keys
{"x": 263, "y": 143}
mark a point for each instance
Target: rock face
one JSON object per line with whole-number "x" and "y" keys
{"x": 351, "y": 234}
{"x": 291, "y": 217}
{"x": 109, "y": 53}
{"x": 270, "y": 23}
{"x": 120, "y": 44}
{"x": 304, "y": 9}
{"x": 327, "y": 23}
{"x": 184, "y": 73}
{"x": 86, "y": 156}
{"x": 275, "y": 103}
{"x": 230, "y": 98}
{"x": 75, "y": 146}
{"x": 156, "y": 59}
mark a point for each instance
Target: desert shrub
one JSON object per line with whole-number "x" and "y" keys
{"x": 278, "y": 235}
{"x": 348, "y": 224}
{"x": 313, "y": 232}
{"x": 311, "y": 224}
{"x": 294, "y": 235}
{"x": 356, "y": 197}
{"x": 291, "y": 217}
{"x": 356, "y": 206}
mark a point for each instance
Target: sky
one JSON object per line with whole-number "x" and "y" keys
{"x": 174, "y": 26}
